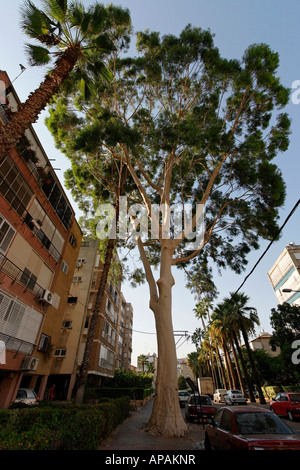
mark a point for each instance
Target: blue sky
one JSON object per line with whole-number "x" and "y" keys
{"x": 236, "y": 24}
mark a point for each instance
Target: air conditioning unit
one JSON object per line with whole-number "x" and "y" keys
{"x": 47, "y": 297}
{"x": 30, "y": 363}
{"x": 78, "y": 264}
{"x": 37, "y": 223}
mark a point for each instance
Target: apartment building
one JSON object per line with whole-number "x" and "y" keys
{"x": 112, "y": 344}
{"x": 285, "y": 275}
{"x": 39, "y": 244}
{"x": 184, "y": 369}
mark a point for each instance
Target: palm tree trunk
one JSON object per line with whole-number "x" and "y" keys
{"x": 253, "y": 367}
{"x": 222, "y": 369}
{"x": 228, "y": 368}
{"x": 238, "y": 370}
{"x": 28, "y": 112}
{"x": 83, "y": 373}
{"x": 246, "y": 375}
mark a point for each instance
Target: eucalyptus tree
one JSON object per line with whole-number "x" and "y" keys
{"x": 67, "y": 33}
{"x": 194, "y": 130}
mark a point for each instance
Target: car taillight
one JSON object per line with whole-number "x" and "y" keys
{"x": 36, "y": 399}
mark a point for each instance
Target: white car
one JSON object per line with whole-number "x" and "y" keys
{"x": 219, "y": 395}
{"x": 235, "y": 397}
{"x": 183, "y": 396}
{"x": 27, "y": 396}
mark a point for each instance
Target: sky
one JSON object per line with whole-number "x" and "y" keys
{"x": 236, "y": 25}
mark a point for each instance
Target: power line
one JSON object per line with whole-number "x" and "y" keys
{"x": 268, "y": 247}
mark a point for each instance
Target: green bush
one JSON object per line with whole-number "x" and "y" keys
{"x": 60, "y": 427}
{"x": 96, "y": 394}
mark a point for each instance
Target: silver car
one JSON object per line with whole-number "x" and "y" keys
{"x": 183, "y": 396}
{"x": 27, "y": 396}
{"x": 219, "y": 395}
{"x": 235, "y": 397}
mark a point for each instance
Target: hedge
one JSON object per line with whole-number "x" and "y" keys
{"x": 60, "y": 427}
{"x": 94, "y": 394}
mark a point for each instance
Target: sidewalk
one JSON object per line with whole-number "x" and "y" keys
{"x": 130, "y": 435}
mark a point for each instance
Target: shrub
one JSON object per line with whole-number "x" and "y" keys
{"x": 60, "y": 427}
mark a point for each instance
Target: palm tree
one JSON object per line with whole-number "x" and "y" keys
{"x": 247, "y": 318}
{"x": 67, "y": 33}
{"x": 142, "y": 361}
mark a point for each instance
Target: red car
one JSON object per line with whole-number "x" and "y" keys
{"x": 286, "y": 404}
{"x": 199, "y": 407}
{"x": 253, "y": 428}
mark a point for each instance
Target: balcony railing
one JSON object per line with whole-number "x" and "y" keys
{"x": 19, "y": 276}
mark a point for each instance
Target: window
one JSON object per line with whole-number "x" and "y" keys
{"x": 13, "y": 186}
{"x": 106, "y": 358}
{"x": 28, "y": 279}
{"x": 72, "y": 300}
{"x": 77, "y": 279}
{"x": 72, "y": 241}
{"x": 67, "y": 324}
{"x": 64, "y": 267}
{"x": 226, "y": 421}
{"x": 60, "y": 352}
{"x": 6, "y": 235}
{"x": 44, "y": 343}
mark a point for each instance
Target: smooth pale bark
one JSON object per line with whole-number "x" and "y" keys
{"x": 166, "y": 418}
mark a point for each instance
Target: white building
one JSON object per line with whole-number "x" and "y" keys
{"x": 285, "y": 274}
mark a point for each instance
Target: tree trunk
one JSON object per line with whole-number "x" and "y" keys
{"x": 246, "y": 375}
{"x": 28, "y": 112}
{"x": 83, "y": 372}
{"x": 240, "y": 378}
{"x": 253, "y": 367}
{"x": 222, "y": 370}
{"x": 166, "y": 418}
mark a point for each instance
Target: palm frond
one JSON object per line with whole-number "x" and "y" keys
{"x": 34, "y": 22}
{"x": 37, "y": 55}
{"x": 56, "y": 9}
{"x": 98, "y": 16}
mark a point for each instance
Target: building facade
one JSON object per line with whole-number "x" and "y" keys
{"x": 39, "y": 244}
{"x": 112, "y": 344}
{"x": 285, "y": 274}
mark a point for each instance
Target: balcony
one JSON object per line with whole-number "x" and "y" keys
{"x": 21, "y": 277}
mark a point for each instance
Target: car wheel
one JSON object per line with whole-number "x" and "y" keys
{"x": 207, "y": 445}
{"x": 290, "y": 416}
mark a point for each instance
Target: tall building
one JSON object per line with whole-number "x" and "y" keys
{"x": 112, "y": 343}
{"x": 285, "y": 274}
{"x": 39, "y": 244}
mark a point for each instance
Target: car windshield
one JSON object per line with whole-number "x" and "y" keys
{"x": 260, "y": 423}
{"x": 236, "y": 391}
{"x": 204, "y": 400}
{"x": 295, "y": 397}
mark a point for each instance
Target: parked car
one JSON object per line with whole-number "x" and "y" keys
{"x": 250, "y": 428}
{"x": 286, "y": 404}
{"x": 199, "y": 407}
{"x": 27, "y": 396}
{"x": 235, "y": 397}
{"x": 219, "y": 395}
{"x": 183, "y": 396}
